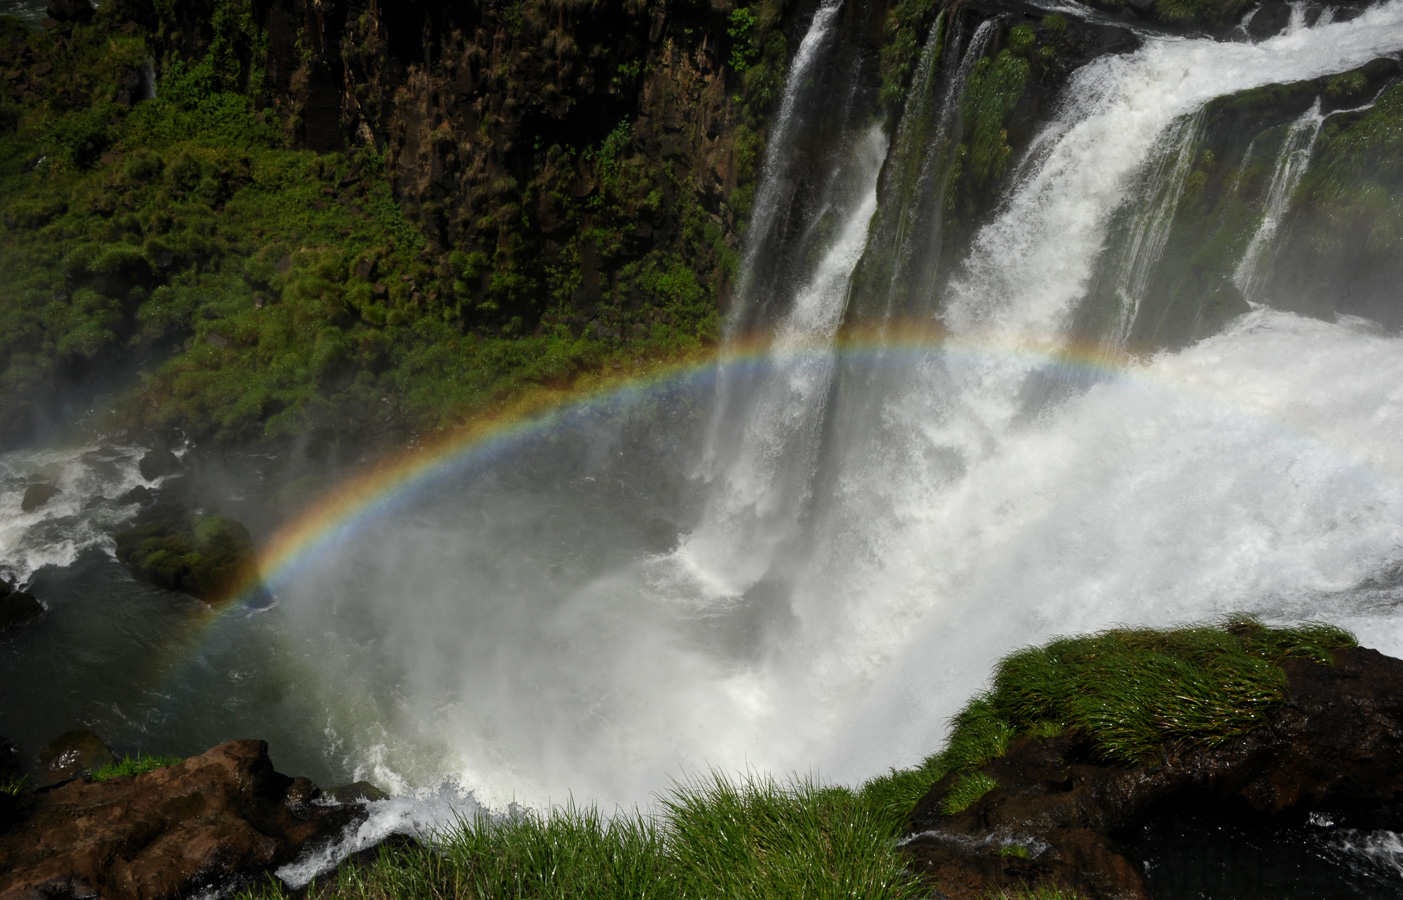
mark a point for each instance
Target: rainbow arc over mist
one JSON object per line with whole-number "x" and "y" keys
{"x": 380, "y": 487}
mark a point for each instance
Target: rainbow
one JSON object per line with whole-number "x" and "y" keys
{"x": 380, "y": 487}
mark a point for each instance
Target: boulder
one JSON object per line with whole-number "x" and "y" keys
{"x": 70, "y": 10}
{"x": 203, "y": 556}
{"x": 1057, "y": 811}
{"x": 74, "y": 753}
{"x": 36, "y": 495}
{"x": 139, "y": 494}
{"x": 17, "y": 607}
{"x": 175, "y": 832}
{"x": 158, "y": 463}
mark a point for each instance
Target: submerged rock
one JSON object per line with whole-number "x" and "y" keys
{"x": 158, "y": 463}
{"x": 1056, "y": 812}
{"x": 36, "y": 495}
{"x": 173, "y": 832}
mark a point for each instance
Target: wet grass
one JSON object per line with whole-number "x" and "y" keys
{"x": 713, "y": 838}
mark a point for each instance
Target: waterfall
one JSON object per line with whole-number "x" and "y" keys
{"x": 876, "y": 502}
{"x": 1291, "y": 165}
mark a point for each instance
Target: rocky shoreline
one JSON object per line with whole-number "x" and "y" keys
{"x": 220, "y": 818}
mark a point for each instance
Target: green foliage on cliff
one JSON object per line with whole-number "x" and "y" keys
{"x": 182, "y": 253}
{"x": 1129, "y": 692}
{"x": 1353, "y": 192}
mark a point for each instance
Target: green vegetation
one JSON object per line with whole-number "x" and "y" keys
{"x": 901, "y": 49}
{"x": 132, "y": 766}
{"x": 14, "y": 785}
{"x": 965, "y": 792}
{"x": 1128, "y": 692}
{"x": 1351, "y": 196}
{"x": 183, "y": 252}
{"x": 714, "y": 839}
{"x": 207, "y": 559}
{"x": 1206, "y": 11}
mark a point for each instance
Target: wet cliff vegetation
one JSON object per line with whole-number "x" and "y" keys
{"x": 346, "y": 219}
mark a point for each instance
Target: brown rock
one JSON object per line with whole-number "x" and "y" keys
{"x": 165, "y": 834}
{"x": 73, "y": 753}
{"x": 1337, "y": 741}
{"x": 36, "y": 495}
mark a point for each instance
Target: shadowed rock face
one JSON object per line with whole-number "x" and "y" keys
{"x": 167, "y": 833}
{"x": 1336, "y": 743}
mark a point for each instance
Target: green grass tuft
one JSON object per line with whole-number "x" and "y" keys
{"x": 966, "y": 791}
{"x": 132, "y": 766}
{"x": 14, "y": 785}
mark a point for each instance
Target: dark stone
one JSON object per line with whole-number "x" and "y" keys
{"x": 179, "y": 831}
{"x": 1336, "y": 742}
{"x": 70, "y": 10}
{"x": 36, "y": 495}
{"x": 1269, "y": 21}
{"x": 139, "y": 494}
{"x": 11, "y": 766}
{"x": 5, "y": 589}
{"x": 158, "y": 463}
{"x": 17, "y": 607}
{"x": 73, "y": 753}
{"x": 356, "y": 792}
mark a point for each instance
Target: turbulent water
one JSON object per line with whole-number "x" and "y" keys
{"x": 865, "y": 526}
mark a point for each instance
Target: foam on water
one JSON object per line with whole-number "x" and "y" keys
{"x": 90, "y": 479}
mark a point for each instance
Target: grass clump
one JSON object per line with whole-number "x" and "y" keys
{"x": 714, "y": 838}
{"x": 966, "y": 791}
{"x": 1132, "y": 690}
{"x": 14, "y": 785}
{"x": 132, "y": 766}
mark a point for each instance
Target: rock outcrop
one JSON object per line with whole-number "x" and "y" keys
{"x": 173, "y": 832}
{"x": 1058, "y": 815}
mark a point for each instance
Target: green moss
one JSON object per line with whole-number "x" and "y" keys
{"x": 205, "y": 559}
{"x": 132, "y": 766}
{"x": 1208, "y": 11}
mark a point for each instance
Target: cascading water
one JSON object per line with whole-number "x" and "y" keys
{"x": 874, "y": 523}
{"x": 1291, "y": 165}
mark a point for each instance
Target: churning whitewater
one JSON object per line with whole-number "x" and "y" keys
{"x": 810, "y": 561}
{"x": 867, "y": 530}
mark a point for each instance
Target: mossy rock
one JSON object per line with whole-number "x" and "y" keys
{"x": 205, "y": 557}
